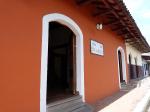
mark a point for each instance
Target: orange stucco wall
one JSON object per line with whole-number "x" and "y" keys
{"x": 20, "y": 47}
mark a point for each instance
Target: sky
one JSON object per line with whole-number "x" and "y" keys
{"x": 140, "y": 11}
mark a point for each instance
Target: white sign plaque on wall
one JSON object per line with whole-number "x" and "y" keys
{"x": 97, "y": 48}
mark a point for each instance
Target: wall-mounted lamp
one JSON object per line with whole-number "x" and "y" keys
{"x": 99, "y": 26}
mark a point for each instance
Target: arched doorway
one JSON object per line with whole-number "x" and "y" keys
{"x": 50, "y": 56}
{"x": 121, "y": 66}
{"x": 61, "y": 74}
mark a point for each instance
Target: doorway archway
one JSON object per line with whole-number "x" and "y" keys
{"x": 68, "y": 22}
{"x": 61, "y": 72}
{"x": 121, "y": 66}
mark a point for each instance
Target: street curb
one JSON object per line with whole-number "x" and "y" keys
{"x": 142, "y": 105}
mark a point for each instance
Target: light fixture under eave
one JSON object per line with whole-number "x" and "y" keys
{"x": 99, "y": 26}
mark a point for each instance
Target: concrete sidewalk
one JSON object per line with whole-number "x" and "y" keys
{"x": 126, "y": 99}
{"x": 148, "y": 109}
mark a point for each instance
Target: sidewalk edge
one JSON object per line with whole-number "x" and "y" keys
{"x": 142, "y": 105}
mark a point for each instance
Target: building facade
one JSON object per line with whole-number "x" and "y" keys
{"x": 57, "y": 49}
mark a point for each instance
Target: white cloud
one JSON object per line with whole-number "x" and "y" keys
{"x": 133, "y": 5}
{"x": 146, "y": 14}
{"x": 146, "y": 31}
{"x": 141, "y": 13}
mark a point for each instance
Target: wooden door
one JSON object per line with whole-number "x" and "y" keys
{"x": 74, "y": 65}
{"x": 120, "y": 66}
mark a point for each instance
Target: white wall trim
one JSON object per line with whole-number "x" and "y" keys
{"x": 123, "y": 65}
{"x": 44, "y": 56}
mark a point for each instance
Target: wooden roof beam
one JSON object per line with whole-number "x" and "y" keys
{"x": 102, "y": 13}
{"x": 119, "y": 29}
{"x": 122, "y": 33}
{"x": 133, "y": 43}
{"x": 139, "y": 48}
{"x": 118, "y": 17}
{"x": 84, "y": 2}
{"x": 130, "y": 39}
{"x": 112, "y": 22}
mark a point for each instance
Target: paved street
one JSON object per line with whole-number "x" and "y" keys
{"x": 125, "y": 100}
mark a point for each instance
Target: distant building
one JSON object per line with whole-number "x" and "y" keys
{"x": 134, "y": 59}
{"x": 146, "y": 64}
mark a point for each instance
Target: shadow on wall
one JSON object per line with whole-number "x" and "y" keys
{"x": 135, "y": 71}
